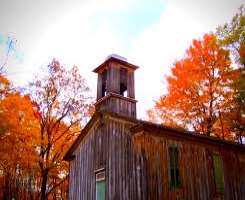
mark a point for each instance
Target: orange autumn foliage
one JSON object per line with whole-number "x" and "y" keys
{"x": 4, "y": 86}
{"x": 18, "y": 128}
{"x": 36, "y": 132}
{"x": 18, "y": 139}
{"x": 199, "y": 89}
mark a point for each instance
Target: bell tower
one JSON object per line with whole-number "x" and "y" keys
{"x": 115, "y": 86}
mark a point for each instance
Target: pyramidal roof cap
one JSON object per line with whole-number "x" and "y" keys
{"x": 116, "y": 58}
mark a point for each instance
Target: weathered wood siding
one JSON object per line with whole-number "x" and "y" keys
{"x": 137, "y": 166}
{"x": 108, "y": 144}
{"x": 196, "y": 169}
{"x": 120, "y": 105}
{"x": 131, "y": 85}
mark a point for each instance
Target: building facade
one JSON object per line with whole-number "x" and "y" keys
{"x": 118, "y": 157}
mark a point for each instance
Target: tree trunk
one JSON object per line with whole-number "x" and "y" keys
{"x": 240, "y": 138}
{"x": 44, "y": 185}
{"x": 222, "y": 126}
{"x": 209, "y": 126}
{"x": 6, "y": 187}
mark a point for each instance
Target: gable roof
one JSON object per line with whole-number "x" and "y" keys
{"x": 152, "y": 129}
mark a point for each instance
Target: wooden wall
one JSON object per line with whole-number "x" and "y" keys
{"x": 196, "y": 169}
{"x": 137, "y": 166}
{"x": 108, "y": 144}
{"x": 119, "y": 105}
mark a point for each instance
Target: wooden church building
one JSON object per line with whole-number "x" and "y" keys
{"x": 118, "y": 157}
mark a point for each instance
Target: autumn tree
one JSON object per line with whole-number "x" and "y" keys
{"x": 62, "y": 99}
{"x": 232, "y": 36}
{"x": 198, "y": 87}
{"x": 18, "y": 125}
{"x": 4, "y": 86}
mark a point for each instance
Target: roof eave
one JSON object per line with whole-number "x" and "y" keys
{"x": 125, "y": 63}
{"x": 69, "y": 154}
{"x": 153, "y": 129}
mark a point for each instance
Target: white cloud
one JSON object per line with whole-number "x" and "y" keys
{"x": 70, "y": 35}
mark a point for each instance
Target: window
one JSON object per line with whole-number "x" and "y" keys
{"x": 218, "y": 173}
{"x": 104, "y": 78}
{"x": 103, "y": 90}
{"x": 123, "y": 82}
{"x": 123, "y": 90}
{"x": 100, "y": 185}
{"x": 174, "y": 176}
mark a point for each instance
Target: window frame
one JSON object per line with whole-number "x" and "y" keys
{"x": 174, "y": 167}
{"x": 100, "y": 176}
{"x": 217, "y": 157}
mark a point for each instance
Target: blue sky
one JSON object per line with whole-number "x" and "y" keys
{"x": 150, "y": 33}
{"x": 132, "y": 20}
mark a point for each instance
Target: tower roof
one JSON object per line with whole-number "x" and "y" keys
{"x": 117, "y": 60}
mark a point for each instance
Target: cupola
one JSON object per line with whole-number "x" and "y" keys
{"x": 116, "y": 87}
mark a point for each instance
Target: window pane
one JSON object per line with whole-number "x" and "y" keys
{"x": 218, "y": 173}
{"x": 177, "y": 178}
{"x": 171, "y": 157}
{"x": 172, "y": 181}
{"x": 174, "y": 167}
{"x": 100, "y": 190}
